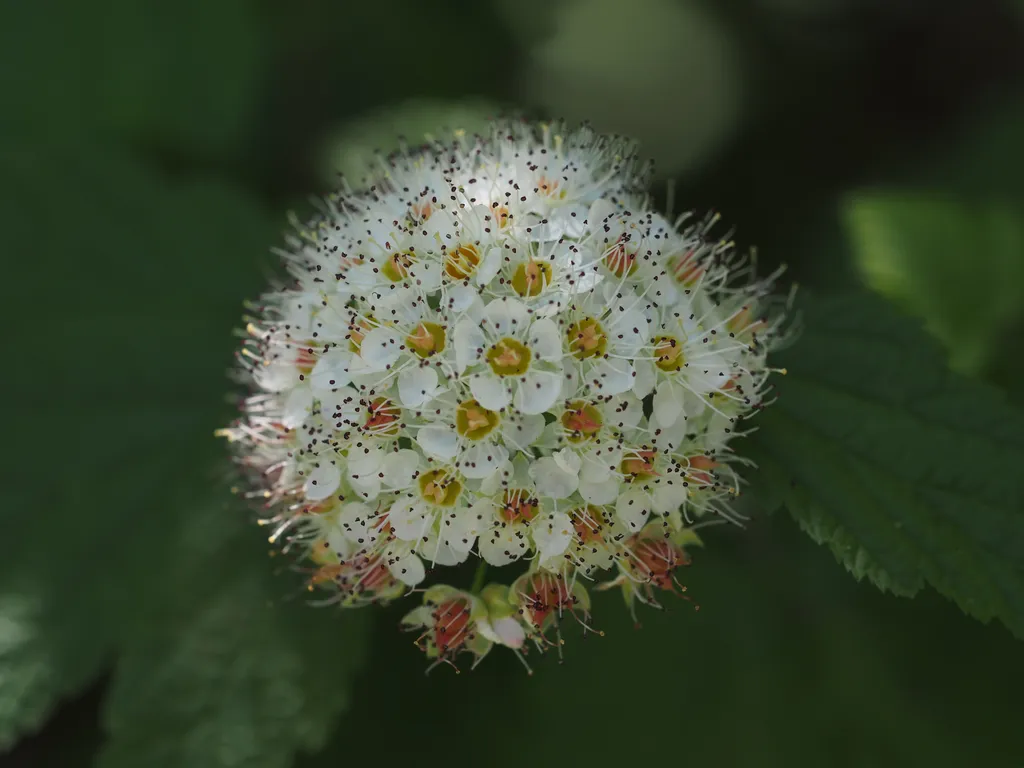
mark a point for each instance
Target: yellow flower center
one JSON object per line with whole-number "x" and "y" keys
{"x": 427, "y": 339}
{"x": 439, "y": 488}
{"x": 670, "y": 353}
{"x": 531, "y": 277}
{"x": 509, "y": 357}
{"x": 473, "y": 421}
{"x": 581, "y": 421}
{"x": 396, "y": 268}
{"x": 461, "y": 262}
{"x": 586, "y": 339}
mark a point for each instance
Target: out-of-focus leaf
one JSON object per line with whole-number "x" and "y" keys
{"x": 183, "y": 75}
{"x": 889, "y": 452}
{"x": 957, "y": 266}
{"x": 355, "y": 150}
{"x": 749, "y": 680}
{"x": 984, "y": 161}
{"x": 219, "y": 673}
{"x": 661, "y": 72}
{"x": 125, "y": 291}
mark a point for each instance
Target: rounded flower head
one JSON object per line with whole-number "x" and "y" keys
{"x": 498, "y": 351}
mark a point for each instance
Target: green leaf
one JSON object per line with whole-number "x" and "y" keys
{"x": 127, "y": 289}
{"x": 184, "y": 75}
{"x": 220, "y": 670}
{"x": 911, "y": 471}
{"x": 958, "y": 266}
{"x": 113, "y": 547}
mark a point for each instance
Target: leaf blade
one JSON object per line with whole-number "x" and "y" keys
{"x": 873, "y": 432}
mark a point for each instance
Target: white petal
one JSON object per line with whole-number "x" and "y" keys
{"x": 408, "y": 520}
{"x": 645, "y": 378}
{"x": 365, "y": 461}
{"x": 506, "y": 631}
{"x": 624, "y": 412}
{"x": 668, "y": 404}
{"x": 552, "y": 480}
{"x": 322, "y": 481}
{"x": 539, "y": 392}
{"x": 380, "y": 349}
{"x": 460, "y": 297}
{"x": 506, "y": 316}
{"x": 522, "y": 432}
{"x": 276, "y": 377}
{"x": 364, "y": 469}
{"x": 417, "y": 385}
{"x": 339, "y": 543}
{"x": 438, "y": 440}
{"x": 330, "y": 371}
{"x": 489, "y": 391}
{"x": 297, "y": 406}
{"x": 633, "y": 329}
{"x": 600, "y": 493}
{"x": 501, "y": 546}
{"x": 359, "y": 279}
{"x": 599, "y": 463}
{"x": 356, "y": 520}
{"x": 568, "y": 461}
{"x": 545, "y": 340}
{"x": 492, "y": 483}
{"x": 707, "y": 374}
{"x": 488, "y": 266}
{"x": 551, "y": 533}
{"x": 438, "y": 552}
{"x": 426, "y": 276}
{"x": 469, "y": 341}
{"x": 601, "y": 212}
{"x": 407, "y": 568}
{"x": 668, "y": 497}
{"x": 459, "y": 529}
{"x": 613, "y": 376}
{"x": 632, "y": 509}
{"x": 399, "y": 468}
{"x": 481, "y": 460}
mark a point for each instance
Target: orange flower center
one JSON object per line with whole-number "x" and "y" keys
{"x": 509, "y": 357}
{"x": 638, "y": 466}
{"x": 519, "y": 507}
{"x": 427, "y": 339}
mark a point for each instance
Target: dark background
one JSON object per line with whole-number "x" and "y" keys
{"x": 150, "y": 154}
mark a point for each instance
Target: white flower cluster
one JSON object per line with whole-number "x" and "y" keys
{"x": 498, "y": 349}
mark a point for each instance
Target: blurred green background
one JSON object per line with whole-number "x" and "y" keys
{"x": 149, "y": 155}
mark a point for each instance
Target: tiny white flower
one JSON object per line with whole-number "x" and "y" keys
{"x": 510, "y": 357}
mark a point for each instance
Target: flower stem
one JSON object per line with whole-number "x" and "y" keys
{"x": 478, "y": 577}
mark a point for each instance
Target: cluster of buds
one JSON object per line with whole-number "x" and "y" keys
{"x": 496, "y": 349}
